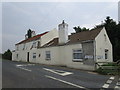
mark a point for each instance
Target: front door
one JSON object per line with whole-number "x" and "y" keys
{"x": 27, "y": 56}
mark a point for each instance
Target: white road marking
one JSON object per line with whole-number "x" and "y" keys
{"x": 112, "y": 78}
{"x": 78, "y": 86}
{"x": 105, "y": 86}
{"x": 25, "y": 69}
{"x": 118, "y": 83}
{"x": 62, "y": 73}
{"x": 118, "y": 88}
{"x": 20, "y": 66}
{"x": 109, "y": 81}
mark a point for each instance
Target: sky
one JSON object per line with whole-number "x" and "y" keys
{"x": 18, "y": 17}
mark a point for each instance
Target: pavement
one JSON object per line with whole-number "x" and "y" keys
{"x": 30, "y": 75}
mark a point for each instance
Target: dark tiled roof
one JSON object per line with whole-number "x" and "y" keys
{"x": 32, "y": 38}
{"x": 77, "y": 37}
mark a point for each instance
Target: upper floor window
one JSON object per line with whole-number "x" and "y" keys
{"x": 38, "y": 44}
{"x": 106, "y": 53}
{"x": 48, "y": 56}
{"x": 77, "y": 55}
{"x": 105, "y": 37}
{"x": 24, "y": 46}
{"x": 17, "y": 47}
{"x": 34, "y": 44}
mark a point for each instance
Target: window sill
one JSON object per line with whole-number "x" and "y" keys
{"x": 48, "y": 59}
{"x": 77, "y": 60}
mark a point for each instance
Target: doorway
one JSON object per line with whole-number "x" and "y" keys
{"x": 27, "y": 56}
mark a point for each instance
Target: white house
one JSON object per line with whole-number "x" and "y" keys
{"x": 80, "y": 50}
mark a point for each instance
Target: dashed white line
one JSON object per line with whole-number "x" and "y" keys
{"x": 105, "y": 86}
{"x": 118, "y": 83}
{"x": 112, "y": 78}
{"x": 78, "y": 86}
{"x": 109, "y": 81}
{"x": 116, "y": 87}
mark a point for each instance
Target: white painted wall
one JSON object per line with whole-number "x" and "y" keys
{"x": 49, "y": 36}
{"x": 101, "y": 45}
{"x": 63, "y": 55}
{"x": 63, "y": 33}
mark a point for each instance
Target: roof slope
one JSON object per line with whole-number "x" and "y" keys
{"x": 77, "y": 37}
{"x": 32, "y": 38}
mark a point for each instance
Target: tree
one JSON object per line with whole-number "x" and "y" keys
{"x": 7, "y": 55}
{"x": 79, "y": 29}
{"x": 29, "y": 33}
{"x": 113, "y": 31}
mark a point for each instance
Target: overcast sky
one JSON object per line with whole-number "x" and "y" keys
{"x": 18, "y": 17}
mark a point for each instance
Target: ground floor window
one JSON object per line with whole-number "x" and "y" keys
{"x": 106, "y": 53}
{"x": 16, "y": 56}
{"x": 77, "y": 55}
{"x": 48, "y": 56}
{"x": 34, "y": 55}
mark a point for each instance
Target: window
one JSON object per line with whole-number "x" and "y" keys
{"x": 34, "y": 44}
{"x": 34, "y": 55}
{"x": 16, "y": 56}
{"x": 38, "y": 44}
{"x": 48, "y": 57}
{"x": 106, "y": 53}
{"x": 17, "y": 47}
{"x": 24, "y": 46}
{"x": 77, "y": 55}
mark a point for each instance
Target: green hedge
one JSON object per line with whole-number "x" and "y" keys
{"x": 109, "y": 69}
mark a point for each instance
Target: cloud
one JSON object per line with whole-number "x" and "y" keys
{"x": 44, "y": 16}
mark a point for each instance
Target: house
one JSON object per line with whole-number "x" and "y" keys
{"x": 80, "y": 50}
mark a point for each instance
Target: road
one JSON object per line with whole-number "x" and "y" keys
{"x": 29, "y": 75}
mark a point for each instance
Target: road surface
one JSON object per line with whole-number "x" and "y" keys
{"x": 29, "y": 75}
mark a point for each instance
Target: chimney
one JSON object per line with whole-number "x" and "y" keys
{"x": 63, "y": 33}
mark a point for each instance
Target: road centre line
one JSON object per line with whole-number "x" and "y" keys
{"x": 60, "y": 72}
{"x": 66, "y": 82}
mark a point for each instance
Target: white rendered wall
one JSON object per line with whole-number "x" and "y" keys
{"x": 49, "y": 36}
{"x": 103, "y": 43}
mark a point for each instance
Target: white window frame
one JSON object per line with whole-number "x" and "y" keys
{"x": 77, "y": 51}
{"x": 34, "y": 55}
{"x": 48, "y": 53}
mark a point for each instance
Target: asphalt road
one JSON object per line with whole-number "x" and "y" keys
{"x": 29, "y": 75}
